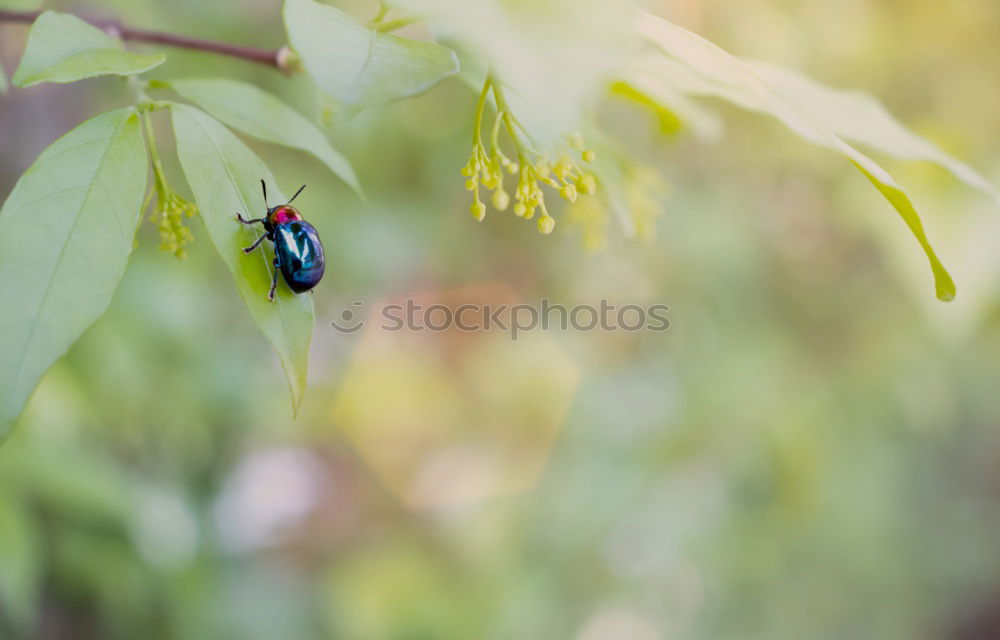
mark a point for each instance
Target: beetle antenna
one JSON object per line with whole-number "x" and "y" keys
{"x": 263, "y": 186}
{"x": 296, "y": 194}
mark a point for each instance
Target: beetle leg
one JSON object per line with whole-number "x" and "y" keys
{"x": 240, "y": 218}
{"x": 255, "y": 245}
{"x": 274, "y": 280}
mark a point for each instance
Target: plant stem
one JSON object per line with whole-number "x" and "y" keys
{"x": 272, "y": 58}
{"x": 145, "y": 205}
{"x": 508, "y": 119}
{"x": 138, "y": 89}
{"x": 154, "y": 154}
{"x": 477, "y": 130}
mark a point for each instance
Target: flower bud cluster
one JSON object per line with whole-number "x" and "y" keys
{"x": 171, "y": 209}
{"x": 169, "y": 218}
{"x": 488, "y": 166}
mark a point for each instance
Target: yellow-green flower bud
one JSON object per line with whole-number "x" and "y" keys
{"x": 500, "y": 200}
{"x": 169, "y": 219}
{"x": 563, "y": 167}
{"x": 546, "y": 224}
{"x": 587, "y": 184}
{"x": 478, "y": 210}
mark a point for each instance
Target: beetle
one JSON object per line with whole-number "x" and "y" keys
{"x": 298, "y": 252}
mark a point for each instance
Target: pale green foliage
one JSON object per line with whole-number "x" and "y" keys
{"x": 63, "y": 48}
{"x": 262, "y": 115}
{"x": 859, "y": 117}
{"x": 20, "y": 558}
{"x": 852, "y": 115}
{"x": 717, "y": 73}
{"x": 225, "y": 178}
{"x": 68, "y": 227}
{"x": 553, "y": 56}
{"x": 358, "y": 66}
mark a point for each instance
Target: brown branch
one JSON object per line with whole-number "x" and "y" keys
{"x": 276, "y": 58}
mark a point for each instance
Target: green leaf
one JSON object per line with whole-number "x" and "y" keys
{"x": 69, "y": 226}
{"x": 20, "y": 557}
{"x": 693, "y": 65}
{"x": 358, "y": 66}
{"x": 857, "y": 116}
{"x": 64, "y": 48}
{"x": 225, "y": 177}
{"x": 262, "y": 115}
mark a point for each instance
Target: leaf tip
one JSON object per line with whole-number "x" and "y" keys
{"x": 946, "y": 290}
{"x": 360, "y": 193}
{"x": 944, "y": 286}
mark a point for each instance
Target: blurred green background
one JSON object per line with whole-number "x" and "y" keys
{"x": 812, "y": 450}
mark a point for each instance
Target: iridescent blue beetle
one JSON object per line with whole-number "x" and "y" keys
{"x": 298, "y": 253}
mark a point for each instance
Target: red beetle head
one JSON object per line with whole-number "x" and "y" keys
{"x": 282, "y": 214}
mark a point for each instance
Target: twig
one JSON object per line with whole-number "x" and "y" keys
{"x": 277, "y": 58}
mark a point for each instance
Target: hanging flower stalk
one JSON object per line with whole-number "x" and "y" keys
{"x": 488, "y": 165}
{"x": 171, "y": 208}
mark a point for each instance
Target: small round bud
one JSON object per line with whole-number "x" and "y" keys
{"x": 520, "y": 210}
{"x": 478, "y": 210}
{"x": 546, "y": 224}
{"x": 471, "y": 184}
{"x": 589, "y": 156}
{"x": 500, "y": 200}
{"x": 568, "y": 192}
{"x": 587, "y": 184}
